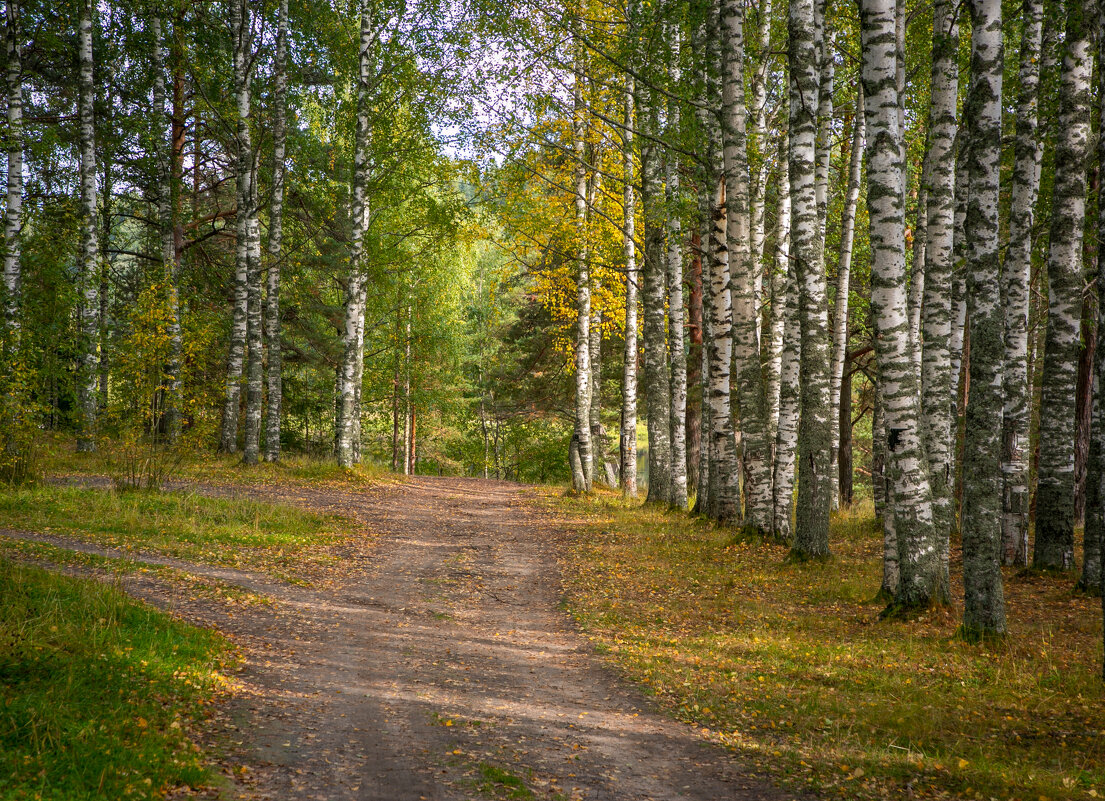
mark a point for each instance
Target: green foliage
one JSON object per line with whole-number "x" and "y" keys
{"x": 19, "y": 430}
{"x": 98, "y": 692}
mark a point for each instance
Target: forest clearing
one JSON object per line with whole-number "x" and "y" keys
{"x": 462, "y": 399}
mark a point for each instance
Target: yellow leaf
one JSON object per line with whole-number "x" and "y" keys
{"x": 963, "y": 763}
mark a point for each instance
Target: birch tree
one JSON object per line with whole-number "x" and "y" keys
{"x": 811, "y": 538}
{"x": 907, "y": 472}
{"x": 984, "y": 600}
{"x": 13, "y": 210}
{"x": 353, "y": 328}
{"x": 1092, "y": 573}
{"x": 275, "y": 377}
{"x": 90, "y": 236}
{"x": 937, "y": 401}
{"x": 654, "y": 294}
{"x": 785, "y": 298}
{"x": 843, "y": 283}
{"x": 1016, "y": 274}
{"x": 240, "y": 25}
{"x": 674, "y": 260}
{"x": 746, "y": 347}
{"x": 1054, "y": 543}
{"x": 628, "y": 447}
{"x": 583, "y": 295}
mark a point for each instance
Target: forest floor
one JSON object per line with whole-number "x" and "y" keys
{"x": 425, "y": 655}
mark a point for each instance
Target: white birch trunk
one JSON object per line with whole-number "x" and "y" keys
{"x": 790, "y": 339}
{"x": 583, "y": 295}
{"x": 843, "y": 282}
{"x": 275, "y": 243}
{"x": 814, "y": 480}
{"x": 984, "y": 600}
{"x": 898, "y": 382}
{"x": 937, "y": 398}
{"x": 353, "y": 328}
{"x": 628, "y": 447}
{"x": 13, "y": 210}
{"x": 90, "y": 238}
{"x": 1053, "y": 547}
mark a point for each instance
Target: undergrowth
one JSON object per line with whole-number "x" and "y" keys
{"x": 99, "y": 694}
{"x": 790, "y": 665}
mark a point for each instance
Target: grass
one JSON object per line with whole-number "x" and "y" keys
{"x": 58, "y": 456}
{"x": 285, "y": 541}
{"x": 98, "y": 693}
{"x": 790, "y": 665}
{"x": 500, "y": 783}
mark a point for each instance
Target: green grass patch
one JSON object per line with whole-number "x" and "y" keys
{"x": 97, "y": 691}
{"x": 285, "y": 541}
{"x": 791, "y": 665}
{"x": 500, "y": 783}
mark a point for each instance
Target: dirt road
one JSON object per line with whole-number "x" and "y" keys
{"x": 444, "y": 668}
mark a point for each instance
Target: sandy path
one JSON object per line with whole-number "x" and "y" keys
{"x": 443, "y": 664}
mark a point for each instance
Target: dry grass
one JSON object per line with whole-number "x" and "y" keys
{"x": 790, "y": 665}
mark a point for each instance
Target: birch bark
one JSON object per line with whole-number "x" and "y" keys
{"x": 240, "y": 24}
{"x": 1053, "y": 547}
{"x": 629, "y": 369}
{"x": 746, "y": 346}
{"x": 674, "y": 262}
{"x": 1016, "y": 275}
{"x": 898, "y": 383}
{"x": 786, "y": 437}
{"x": 937, "y": 398}
{"x": 843, "y": 283}
{"x": 353, "y": 328}
{"x": 90, "y": 237}
{"x": 583, "y": 293}
{"x": 13, "y": 210}
{"x": 814, "y": 480}
{"x": 984, "y": 601}
{"x": 275, "y": 377}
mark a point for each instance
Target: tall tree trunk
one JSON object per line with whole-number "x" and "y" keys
{"x": 844, "y": 450}
{"x": 787, "y": 329}
{"x": 1083, "y": 404}
{"x": 984, "y": 600}
{"x": 843, "y": 288}
{"x": 814, "y": 480}
{"x": 678, "y": 394}
{"x": 1054, "y": 543}
{"x": 163, "y": 138}
{"x": 598, "y": 434}
{"x": 878, "y": 486}
{"x": 694, "y": 367}
{"x": 353, "y": 328}
{"x": 746, "y": 345}
{"x": 1093, "y": 576}
{"x": 629, "y": 369}
{"x": 90, "y": 238}
{"x": 757, "y": 202}
{"x": 657, "y": 384}
{"x": 275, "y": 378}
{"x": 13, "y": 211}
{"x": 228, "y": 442}
{"x": 583, "y": 293}
{"x": 937, "y": 400}
{"x": 251, "y": 452}
{"x": 919, "y": 564}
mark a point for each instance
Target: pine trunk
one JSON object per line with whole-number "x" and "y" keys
{"x": 984, "y": 601}
{"x": 1054, "y": 543}
{"x": 90, "y": 239}
{"x": 275, "y": 377}
{"x": 811, "y": 538}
